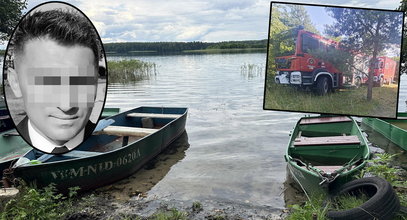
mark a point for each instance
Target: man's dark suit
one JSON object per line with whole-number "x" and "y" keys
{"x": 22, "y": 128}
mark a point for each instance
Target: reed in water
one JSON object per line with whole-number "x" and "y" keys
{"x": 130, "y": 71}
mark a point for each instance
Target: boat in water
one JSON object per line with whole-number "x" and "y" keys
{"x": 126, "y": 142}
{"x": 325, "y": 152}
{"x": 393, "y": 129}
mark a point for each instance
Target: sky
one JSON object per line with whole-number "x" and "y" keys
{"x": 189, "y": 20}
{"x": 319, "y": 17}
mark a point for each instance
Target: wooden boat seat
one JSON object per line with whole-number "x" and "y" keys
{"x": 79, "y": 153}
{"x": 330, "y": 140}
{"x": 307, "y": 121}
{"x": 126, "y": 131}
{"x": 152, "y": 115}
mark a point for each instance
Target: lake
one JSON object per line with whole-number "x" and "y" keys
{"x": 236, "y": 148}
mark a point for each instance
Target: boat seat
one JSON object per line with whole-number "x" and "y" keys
{"x": 307, "y": 121}
{"x": 79, "y": 153}
{"x": 126, "y": 131}
{"x": 152, "y": 115}
{"x": 330, "y": 140}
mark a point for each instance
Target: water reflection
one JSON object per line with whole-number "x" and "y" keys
{"x": 155, "y": 170}
{"x": 380, "y": 142}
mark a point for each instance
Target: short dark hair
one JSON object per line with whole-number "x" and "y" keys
{"x": 66, "y": 27}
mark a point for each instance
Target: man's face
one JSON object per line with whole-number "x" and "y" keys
{"x": 58, "y": 85}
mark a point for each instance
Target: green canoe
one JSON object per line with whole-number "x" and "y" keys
{"x": 117, "y": 151}
{"x": 325, "y": 152}
{"x": 393, "y": 129}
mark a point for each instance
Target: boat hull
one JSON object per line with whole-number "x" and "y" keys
{"x": 306, "y": 161}
{"x": 389, "y": 129}
{"x": 95, "y": 171}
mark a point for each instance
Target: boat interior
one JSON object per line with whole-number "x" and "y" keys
{"x": 327, "y": 143}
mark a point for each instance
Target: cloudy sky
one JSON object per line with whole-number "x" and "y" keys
{"x": 189, "y": 20}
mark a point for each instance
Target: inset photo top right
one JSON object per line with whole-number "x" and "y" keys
{"x": 333, "y": 60}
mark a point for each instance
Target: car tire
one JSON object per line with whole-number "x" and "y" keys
{"x": 382, "y": 204}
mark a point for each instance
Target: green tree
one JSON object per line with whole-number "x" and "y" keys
{"x": 10, "y": 14}
{"x": 366, "y": 32}
{"x": 284, "y": 25}
{"x": 296, "y": 15}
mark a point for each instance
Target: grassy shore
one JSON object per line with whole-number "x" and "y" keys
{"x": 344, "y": 101}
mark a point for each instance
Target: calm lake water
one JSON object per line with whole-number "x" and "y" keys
{"x": 236, "y": 148}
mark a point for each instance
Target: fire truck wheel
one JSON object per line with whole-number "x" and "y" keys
{"x": 322, "y": 86}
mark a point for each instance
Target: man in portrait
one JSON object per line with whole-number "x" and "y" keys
{"x": 56, "y": 60}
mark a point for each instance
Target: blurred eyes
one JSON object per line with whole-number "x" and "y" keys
{"x": 56, "y": 80}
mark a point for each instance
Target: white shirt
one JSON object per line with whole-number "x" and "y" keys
{"x": 43, "y": 144}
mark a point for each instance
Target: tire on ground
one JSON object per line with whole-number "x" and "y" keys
{"x": 383, "y": 202}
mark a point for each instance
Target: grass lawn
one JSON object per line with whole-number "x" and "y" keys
{"x": 344, "y": 101}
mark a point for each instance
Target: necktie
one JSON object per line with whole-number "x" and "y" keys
{"x": 60, "y": 150}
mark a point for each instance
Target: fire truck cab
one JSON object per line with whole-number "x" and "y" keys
{"x": 301, "y": 69}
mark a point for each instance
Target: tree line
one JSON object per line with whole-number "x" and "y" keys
{"x": 177, "y": 47}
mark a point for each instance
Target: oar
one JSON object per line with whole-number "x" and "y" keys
{"x": 102, "y": 124}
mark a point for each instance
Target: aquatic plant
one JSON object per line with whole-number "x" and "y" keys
{"x": 251, "y": 70}
{"x": 130, "y": 71}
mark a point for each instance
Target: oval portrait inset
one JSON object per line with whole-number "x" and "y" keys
{"x": 54, "y": 77}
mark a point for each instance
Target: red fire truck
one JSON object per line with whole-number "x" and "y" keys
{"x": 303, "y": 70}
{"x": 383, "y": 72}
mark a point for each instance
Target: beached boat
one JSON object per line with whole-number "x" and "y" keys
{"x": 127, "y": 141}
{"x": 325, "y": 152}
{"x": 393, "y": 129}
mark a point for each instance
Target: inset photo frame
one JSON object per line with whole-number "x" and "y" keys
{"x": 55, "y": 77}
{"x": 333, "y": 60}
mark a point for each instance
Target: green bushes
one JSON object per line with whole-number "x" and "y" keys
{"x": 38, "y": 204}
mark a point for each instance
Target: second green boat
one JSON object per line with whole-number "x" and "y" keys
{"x": 325, "y": 152}
{"x": 393, "y": 129}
